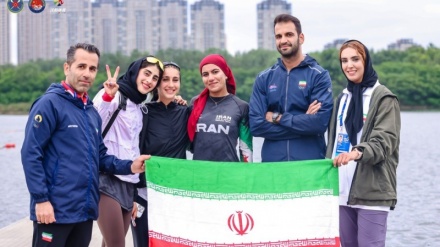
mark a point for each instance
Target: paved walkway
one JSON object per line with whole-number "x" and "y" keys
{"x": 19, "y": 234}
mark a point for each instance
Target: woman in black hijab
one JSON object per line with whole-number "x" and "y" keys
{"x": 364, "y": 138}
{"x": 117, "y": 192}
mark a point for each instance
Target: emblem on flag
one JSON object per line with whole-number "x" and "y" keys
{"x": 240, "y": 223}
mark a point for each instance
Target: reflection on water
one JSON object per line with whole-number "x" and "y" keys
{"x": 414, "y": 222}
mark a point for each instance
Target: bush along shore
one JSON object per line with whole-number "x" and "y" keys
{"x": 413, "y": 75}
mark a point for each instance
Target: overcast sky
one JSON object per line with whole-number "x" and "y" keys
{"x": 376, "y": 23}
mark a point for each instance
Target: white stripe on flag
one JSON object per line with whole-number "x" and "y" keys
{"x": 211, "y": 221}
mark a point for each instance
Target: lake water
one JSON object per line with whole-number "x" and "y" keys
{"x": 414, "y": 222}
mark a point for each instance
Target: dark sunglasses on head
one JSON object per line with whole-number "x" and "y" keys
{"x": 154, "y": 60}
{"x": 173, "y": 64}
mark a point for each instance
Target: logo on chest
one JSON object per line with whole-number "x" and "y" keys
{"x": 223, "y": 118}
{"x": 216, "y": 128}
{"x": 273, "y": 88}
{"x": 212, "y": 128}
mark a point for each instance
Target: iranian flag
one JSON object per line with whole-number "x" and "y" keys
{"x": 202, "y": 203}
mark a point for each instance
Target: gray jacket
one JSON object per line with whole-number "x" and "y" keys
{"x": 374, "y": 180}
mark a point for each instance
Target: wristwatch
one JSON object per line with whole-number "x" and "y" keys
{"x": 275, "y": 115}
{"x": 359, "y": 152}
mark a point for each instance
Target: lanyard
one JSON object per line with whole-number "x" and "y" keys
{"x": 342, "y": 112}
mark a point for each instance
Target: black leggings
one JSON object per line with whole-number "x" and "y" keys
{"x": 113, "y": 222}
{"x": 68, "y": 235}
{"x": 140, "y": 231}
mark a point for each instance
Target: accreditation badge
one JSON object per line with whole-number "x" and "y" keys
{"x": 342, "y": 144}
{"x": 140, "y": 210}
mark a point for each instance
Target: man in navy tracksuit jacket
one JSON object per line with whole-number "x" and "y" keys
{"x": 291, "y": 102}
{"x": 63, "y": 152}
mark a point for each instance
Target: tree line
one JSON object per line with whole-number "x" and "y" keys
{"x": 413, "y": 75}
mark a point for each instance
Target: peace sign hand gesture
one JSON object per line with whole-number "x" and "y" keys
{"x": 111, "y": 86}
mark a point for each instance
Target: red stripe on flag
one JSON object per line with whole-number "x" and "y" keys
{"x": 161, "y": 240}
{"x": 153, "y": 242}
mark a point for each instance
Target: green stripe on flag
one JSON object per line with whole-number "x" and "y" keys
{"x": 238, "y": 177}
